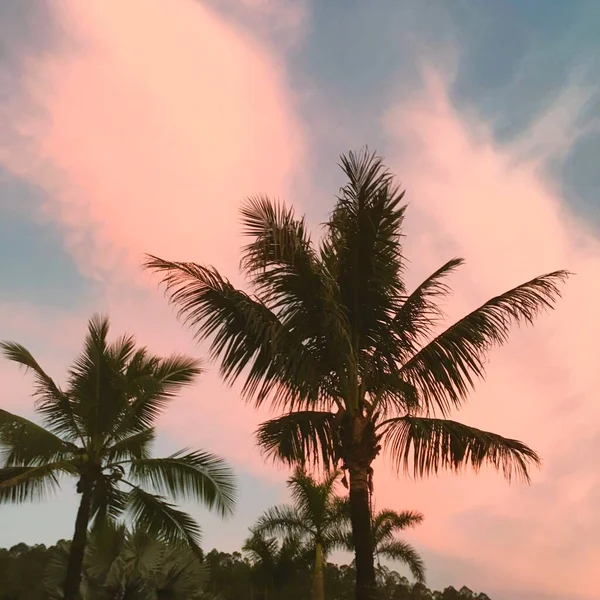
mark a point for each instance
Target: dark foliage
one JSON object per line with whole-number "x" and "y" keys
{"x": 231, "y": 577}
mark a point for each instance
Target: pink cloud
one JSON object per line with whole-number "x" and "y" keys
{"x": 155, "y": 129}
{"x": 152, "y": 130}
{"x": 147, "y": 129}
{"x": 472, "y": 198}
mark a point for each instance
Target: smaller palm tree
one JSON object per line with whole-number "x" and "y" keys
{"x": 386, "y": 524}
{"x": 99, "y": 430}
{"x": 276, "y": 566}
{"x": 315, "y": 517}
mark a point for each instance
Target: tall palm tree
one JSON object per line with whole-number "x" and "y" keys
{"x": 386, "y": 524}
{"x": 315, "y": 517}
{"x": 99, "y": 430}
{"x": 331, "y": 336}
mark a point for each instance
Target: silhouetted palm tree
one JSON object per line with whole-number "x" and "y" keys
{"x": 331, "y": 336}
{"x": 99, "y": 430}
{"x": 315, "y": 518}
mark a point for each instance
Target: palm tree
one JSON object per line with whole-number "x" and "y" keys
{"x": 132, "y": 565}
{"x": 386, "y": 523}
{"x": 99, "y": 430}
{"x": 315, "y": 517}
{"x": 275, "y": 566}
{"x": 331, "y": 337}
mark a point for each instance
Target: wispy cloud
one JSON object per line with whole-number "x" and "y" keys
{"x": 146, "y": 128}
{"x": 471, "y": 197}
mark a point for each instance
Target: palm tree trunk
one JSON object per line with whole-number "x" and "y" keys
{"x": 75, "y": 565}
{"x": 362, "y": 533}
{"x": 318, "y": 591}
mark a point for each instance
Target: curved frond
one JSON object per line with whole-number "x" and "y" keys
{"x": 136, "y": 446}
{"x": 280, "y": 248}
{"x": 245, "y": 334}
{"x": 445, "y": 369}
{"x": 290, "y": 279}
{"x": 108, "y": 503}
{"x": 260, "y": 549}
{"x": 152, "y": 383}
{"x": 25, "y": 484}
{"x": 198, "y": 476}
{"x": 404, "y": 552}
{"x": 387, "y": 522}
{"x": 51, "y": 402}
{"x": 434, "y": 444}
{"x": 182, "y": 575}
{"x": 281, "y": 521}
{"x": 26, "y": 444}
{"x": 298, "y": 437}
{"x": 420, "y": 313}
{"x": 160, "y": 519}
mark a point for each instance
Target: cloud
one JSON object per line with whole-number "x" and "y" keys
{"x": 147, "y": 126}
{"x": 154, "y": 129}
{"x": 471, "y": 197}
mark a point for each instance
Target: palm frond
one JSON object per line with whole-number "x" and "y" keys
{"x": 292, "y": 282}
{"x": 434, "y": 444}
{"x": 387, "y": 522}
{"x": 104, "y": 548}
{"x": 444, "y": 371}
{"x": 260, "y": 549}
{"x": 25, "y": 484}
{"x": 95, "y": 383}
{"x": 152, "y": 383}
{"x": 404, "y": 552}
{"x": 136, "y": 446}
{"x": 280, "y": 243}
{"x": 312, "y": 498}
{"x": 417, "y": 317}
{"x": 182, "y": 575}
{"x": 108, "y": 503}
{"x": 24, "y": 443}
{"x": 51, "y": 402}
{"x": 160, "y": 519}
{"x": 198, "y": 476}
{"x": 281, "y": 521}
{"x": 389, "y": 392}
{"x": 244, "y": 333}
{"x": 300, "y": 436}
{"x": 363, "y": 248}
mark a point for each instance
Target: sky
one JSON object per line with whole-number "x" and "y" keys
{"x": 134, "y": 126}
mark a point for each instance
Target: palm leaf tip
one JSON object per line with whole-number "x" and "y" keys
{"x": 444, "y": 371}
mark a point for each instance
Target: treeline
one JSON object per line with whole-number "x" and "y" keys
{"x": 228, "y": 576}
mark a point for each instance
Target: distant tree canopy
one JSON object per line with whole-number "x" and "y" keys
{"x": 231, "y": 576}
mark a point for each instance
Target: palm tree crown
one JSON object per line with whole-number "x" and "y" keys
{"x": 99, "y": 430}
{"x": 332, "y": 337}
{"x": 315, "y": 517}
